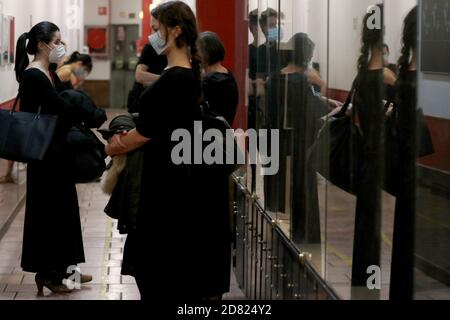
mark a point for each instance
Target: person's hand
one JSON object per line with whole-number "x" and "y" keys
{"x": 251, "y": 85}
{"x": 116, "y": 145}
{"x": 260, "y": 87}
{"x": 390, "y": 110}
{"x": 117, "y": 138}
{"x": 334, "y": 104}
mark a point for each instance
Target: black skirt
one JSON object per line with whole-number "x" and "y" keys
{"x": 52, "y": 233}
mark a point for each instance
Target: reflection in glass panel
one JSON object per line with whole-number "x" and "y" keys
{"x": 355, "y": 149}
{"x": 289, "y": 72}
{"x": 432, "y": 209}
{"x": 337, "y": 80}
{"x": 263, "y": 51}
{"x": 299, "y": 90}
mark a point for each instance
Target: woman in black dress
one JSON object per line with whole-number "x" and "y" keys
{"x": 52, "y": 239}
{"x": 221, "y": 92}
{"x": 370, "y": 88}
{"x": 177, "y": 246}
{"x": 402, "y": 269}
{"x": 220, "y": 89}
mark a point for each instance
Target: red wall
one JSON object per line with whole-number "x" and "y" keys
{"x": 8, "y": 104}
{"x": 228, "y": 20}
{"x": 440, "y": 133}
{"x": 146, "y": 29}
{"x": 219, "y": 16}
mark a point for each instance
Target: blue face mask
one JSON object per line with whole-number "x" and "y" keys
{"x": 274, "y": 35}
{"x": 158, "y": 43}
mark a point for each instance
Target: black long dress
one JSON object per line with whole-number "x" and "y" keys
{"x": 402, "y": 269}
{"x": 368, "y": 102}
{"x": 52, "y": 238}
{"x": 180, "y": 247}
{"x": 293, "y": 109}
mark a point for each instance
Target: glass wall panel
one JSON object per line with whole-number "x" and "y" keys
{"x": 360, "y": 111}
{"x": 432, "y": 193}
{"x": 355, "y": 153}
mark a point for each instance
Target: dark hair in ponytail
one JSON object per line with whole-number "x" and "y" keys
{"x": 409, "y": 41}
{"x": 371, "y": 39}
{"x": 85, "y": 59}
{"x": 42, "y": 32}
{"x": 177, "y": 13}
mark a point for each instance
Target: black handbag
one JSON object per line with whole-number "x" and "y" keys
{"x": 89, "y": 154}
{"x": 425, "y": 142}
{"x": 337, "y": 149}
{"x": 424, "y": 147}
{"x": 24, "y": 136}
{"x": 211, "y": 120}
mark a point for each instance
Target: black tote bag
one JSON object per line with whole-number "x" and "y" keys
{"x": 24, "y": 136}
{"x": 89, "y": 154}
{"x": 337, "y": 149}
{"x": 211, "y": 120}
{"x": 425, "y": 142}
{"x": 424, "y": 146}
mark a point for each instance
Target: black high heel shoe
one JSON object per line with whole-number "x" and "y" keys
{"x": 42, "y": 282}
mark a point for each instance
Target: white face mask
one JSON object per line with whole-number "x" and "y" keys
{"x": 57, "y": 54}
{"x": 158, "y": 43}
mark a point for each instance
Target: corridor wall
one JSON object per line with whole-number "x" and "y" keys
{"x": 65, "y": 13}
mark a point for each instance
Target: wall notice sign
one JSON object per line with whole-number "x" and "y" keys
{"x": 102, "y": 11}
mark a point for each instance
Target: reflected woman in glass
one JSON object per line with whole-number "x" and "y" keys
{"x": 402, "y": 276}
{"x": 294, "y": 109}
{"x": 369, "y": 92}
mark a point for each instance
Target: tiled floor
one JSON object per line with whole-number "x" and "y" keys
{"x": 103, "y": 248}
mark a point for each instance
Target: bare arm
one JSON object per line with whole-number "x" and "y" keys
{"x": 144, "y": 77}
{"x": 315, "y": 79}
{"x": 260, "y": 87}
{"x": 125, "y": 143}
{"x": 389, "y": 77}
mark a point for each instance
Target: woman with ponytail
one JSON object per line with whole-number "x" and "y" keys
{"x": 198, "y": 266}
{"x": 52, "y": 240}
{"x": 373, "y": 84}
{"x": 402, "y": 276}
